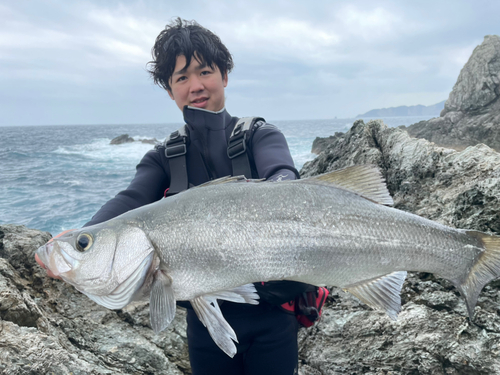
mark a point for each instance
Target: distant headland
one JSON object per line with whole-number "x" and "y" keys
{"x": 413, "y": 110}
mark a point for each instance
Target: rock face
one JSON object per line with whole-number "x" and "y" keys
{"x": 471, "y": 114}
{"x": 432, "y": 334}
{"x": 46, "y": 326}
{"x": 320, "y": 144}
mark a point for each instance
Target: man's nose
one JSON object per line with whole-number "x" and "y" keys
{"x": 196, "y": 84}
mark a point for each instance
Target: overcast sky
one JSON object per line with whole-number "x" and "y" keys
{"x": 84, "y": 62}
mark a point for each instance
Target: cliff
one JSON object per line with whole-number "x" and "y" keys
{"x": 471, "y": 114}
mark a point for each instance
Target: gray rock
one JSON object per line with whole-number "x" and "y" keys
{"x": 121, "y": 139}
{"x": 125, "y": 138}
{"x": 150, "y": 141}
{"x": 472, "y": 112}
{"x": 47, "y": 327}
{"x": 320, "y": 144}
{"x": 478, "y": 84}
{"x": 432, "y": 334}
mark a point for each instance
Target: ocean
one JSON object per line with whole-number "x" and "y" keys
{"x": 55, "y": 178}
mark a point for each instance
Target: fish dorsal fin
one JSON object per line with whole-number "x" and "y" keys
{"x": 381, "y": 293}
{"x": 364, "y": 180}
{"x": 228, "y": 179}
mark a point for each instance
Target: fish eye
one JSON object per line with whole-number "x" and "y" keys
{"x": 84, "y": 242}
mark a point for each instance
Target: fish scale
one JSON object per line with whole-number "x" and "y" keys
{"x": 213, "y": 241}
{"x": 295, "y": 231}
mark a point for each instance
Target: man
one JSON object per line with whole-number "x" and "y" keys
{"x": 192, "y": 64}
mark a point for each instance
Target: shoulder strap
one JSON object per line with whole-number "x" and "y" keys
{"x": 175, "y": 151}
{"x": 237, "y": 146}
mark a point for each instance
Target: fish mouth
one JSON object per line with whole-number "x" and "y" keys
{"x": 122, "y": 295}
{"x": 42, "y": 257}
{"x": 55, "y": 263}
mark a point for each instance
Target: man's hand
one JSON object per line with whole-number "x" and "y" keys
{"x": 49, "y": 272}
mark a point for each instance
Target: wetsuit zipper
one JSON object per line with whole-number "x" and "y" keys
{"x": 212, "y": 174}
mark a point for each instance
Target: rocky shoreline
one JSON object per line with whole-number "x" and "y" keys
{"x": 48, "y": 327}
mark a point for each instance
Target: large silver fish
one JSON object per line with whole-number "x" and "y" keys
{"x": 213, "y": 241}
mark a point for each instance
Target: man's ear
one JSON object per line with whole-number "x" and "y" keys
{"x": 224, "y": 79}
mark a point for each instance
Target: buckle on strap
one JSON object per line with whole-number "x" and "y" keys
{"x": 176, "y": 145}
{"x": 237, "y": 145}
{"x": 173, "y": 151}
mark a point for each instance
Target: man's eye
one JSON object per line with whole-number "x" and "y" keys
{"x": 205, "y": 72}
{"x": 181, "y": 79}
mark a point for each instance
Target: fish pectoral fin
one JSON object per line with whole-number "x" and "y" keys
{"x": 381, "y": 293}
{"x": 161, "y": 302}
{"x": 208, "y": 311}
{"x": 364, "y": 180}
{"x": 242, "y": 294}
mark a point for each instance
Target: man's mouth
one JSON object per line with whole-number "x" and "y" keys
{"x": 199, "y": 103}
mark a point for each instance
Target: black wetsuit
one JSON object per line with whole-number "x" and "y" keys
{"x": 267, "y": 336}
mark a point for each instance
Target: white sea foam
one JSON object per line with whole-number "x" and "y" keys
{"x": 101, "y": 150}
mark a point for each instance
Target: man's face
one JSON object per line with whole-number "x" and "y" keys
{"x": 198, "y": 85}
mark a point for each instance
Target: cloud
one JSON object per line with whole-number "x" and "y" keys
{"x": 293, "y": 59}
{"x": 278, "y": 39}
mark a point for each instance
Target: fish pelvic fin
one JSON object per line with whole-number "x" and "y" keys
{"x": 381, "y": 293}
{"x": 486, "y": 269}
{"x": 364, "y": 180}
{"x": 161, "y": 302}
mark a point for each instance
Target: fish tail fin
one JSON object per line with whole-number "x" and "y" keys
{"x": 486, "y": 269}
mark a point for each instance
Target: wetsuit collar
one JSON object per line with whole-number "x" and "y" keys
{"x": 199, "y": 117}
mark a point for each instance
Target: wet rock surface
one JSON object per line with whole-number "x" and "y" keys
{"x": 432, "y": 334}
{"x": 472, "y": 112}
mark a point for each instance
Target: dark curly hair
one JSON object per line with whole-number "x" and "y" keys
{"x": 183, "y": 37}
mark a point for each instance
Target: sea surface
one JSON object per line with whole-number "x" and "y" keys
{"x": 55, "y": 178}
